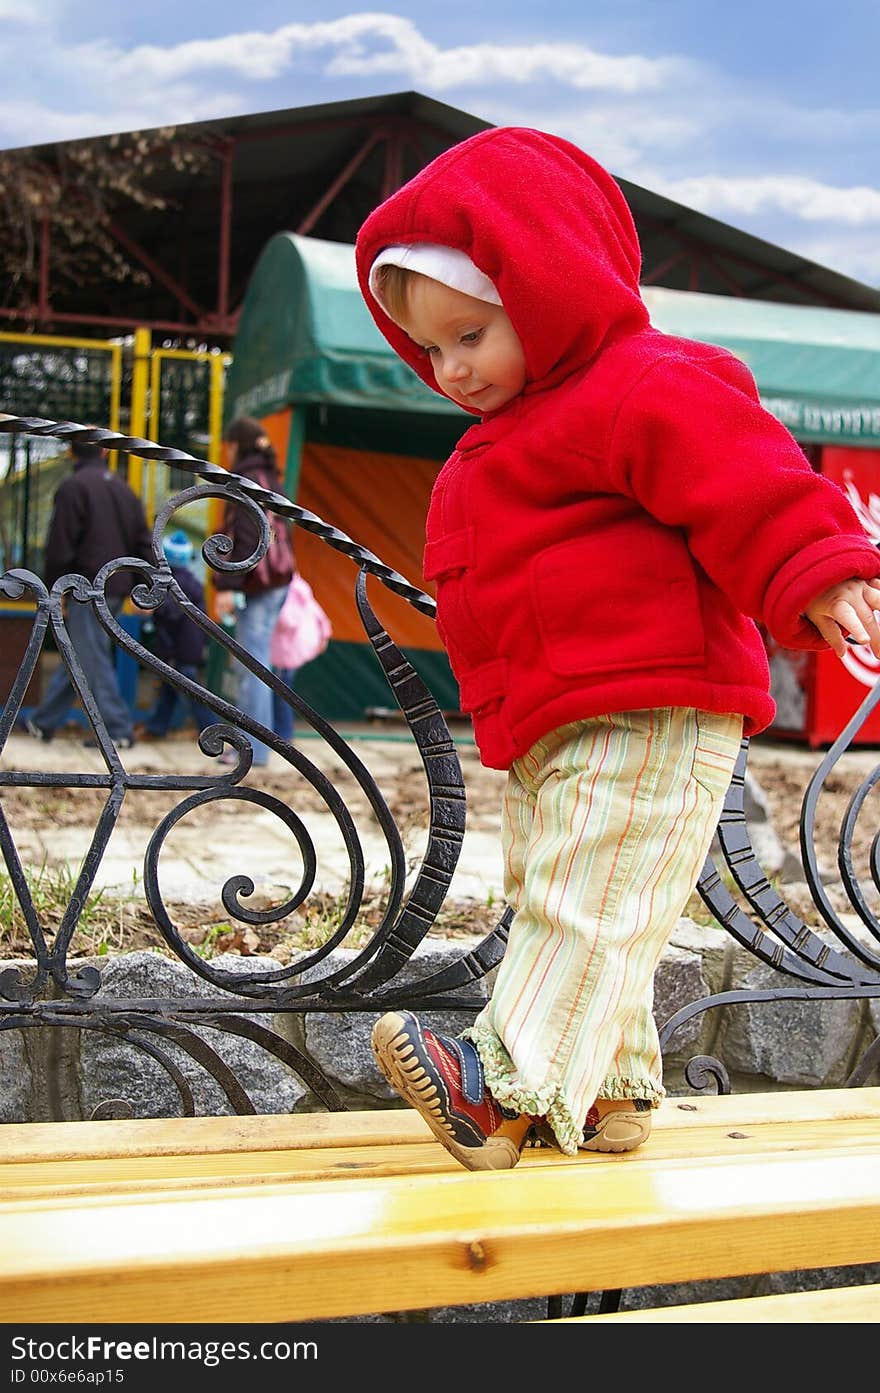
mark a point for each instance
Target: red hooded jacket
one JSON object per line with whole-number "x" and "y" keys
{"x": 606, "y": 540}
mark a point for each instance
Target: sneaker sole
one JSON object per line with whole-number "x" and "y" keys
{"x": 619, "y": 1131}
{"x": 399, "y": 1062}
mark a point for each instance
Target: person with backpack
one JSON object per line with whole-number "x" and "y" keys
{"x": 264, "y": 587}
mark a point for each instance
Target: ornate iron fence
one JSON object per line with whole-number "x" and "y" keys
{"x": 52, "y": 993}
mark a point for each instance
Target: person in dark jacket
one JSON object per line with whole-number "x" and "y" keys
{"x": 265, "y": 586}
{"x": 178, "y": 641}
{"x": 96, "y": 517}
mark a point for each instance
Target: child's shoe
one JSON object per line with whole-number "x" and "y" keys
{"x": 442, "y": 1078}
{"x": 612, "y": 1124}
{"x": 616, "y": 1124}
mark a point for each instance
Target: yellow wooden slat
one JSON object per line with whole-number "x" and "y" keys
{"x": 842, "y": 1304}
{"x": 389, "y": 1151}
{"x": 143, "y": 1174}
{"x": 307, "y": 1250}
{"x": 43, "y": 1141}
{"x": 169, "y": 1136}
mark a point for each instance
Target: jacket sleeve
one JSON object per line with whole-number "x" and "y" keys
{"x": 694, "y": 447}
{"x": 192, "y": 587}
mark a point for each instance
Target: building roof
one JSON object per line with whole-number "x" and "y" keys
{"x": 317, "y": 171}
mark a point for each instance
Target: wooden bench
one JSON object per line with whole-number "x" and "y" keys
{"x": 838, "y": 1305}
{"x": 302, "y": 1218}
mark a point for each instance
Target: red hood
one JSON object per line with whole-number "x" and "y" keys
{"x": 545, "y": 223}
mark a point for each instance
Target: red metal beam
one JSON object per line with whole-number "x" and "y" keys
{"x": 225, "y": 238}
{"x": 770, "y": 275}
{"x": 43, "y": 301}
{"x": 207, "y": 328}
{"x": 660, "y": 269}
{"x": 155, "y": 270}
{"x": 723, "y": 275}
{"x": 392, "y": 176}
{"x": 696, "y": 259}
{"x": 339, "y": 182}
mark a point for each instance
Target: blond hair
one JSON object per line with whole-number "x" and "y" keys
{"x": 393, "y": 285}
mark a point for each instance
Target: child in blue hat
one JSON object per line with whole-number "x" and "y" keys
{"x": 178, "y": 641}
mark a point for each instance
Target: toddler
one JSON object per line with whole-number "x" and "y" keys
{"x": 604, "y": 540}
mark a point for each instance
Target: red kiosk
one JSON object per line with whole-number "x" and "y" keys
{"x": 816, "y": 693}
{"x": 818, "y": 371}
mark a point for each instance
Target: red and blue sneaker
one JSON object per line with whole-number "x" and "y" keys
{"x": 442, "y": 1078}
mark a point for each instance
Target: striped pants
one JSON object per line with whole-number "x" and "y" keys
{"x": 606, "y": 824}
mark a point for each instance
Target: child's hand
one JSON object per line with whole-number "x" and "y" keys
{"x": 848, "y": 608}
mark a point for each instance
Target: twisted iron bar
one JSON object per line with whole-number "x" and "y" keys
{"x": 216, "y": 474}
{"x": 780, "y": 938}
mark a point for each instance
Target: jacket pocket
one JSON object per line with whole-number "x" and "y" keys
{"x": 483, "y": 688}
{"x": 622, "y": 598}
{"x": 449, "y": 555}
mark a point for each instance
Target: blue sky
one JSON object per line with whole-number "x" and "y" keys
{"x": 766, "y": 115}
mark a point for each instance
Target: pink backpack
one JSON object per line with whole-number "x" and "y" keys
{"x": 302, "y": 629}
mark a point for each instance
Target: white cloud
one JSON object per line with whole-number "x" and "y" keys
{"x": 369, "y": 44}
{"x": 621, "y": 140}
{"x": 26, "y": 123}
{"x": 575, "y": 64}
{"x": 851, "y": 253}
{"x": 25, "y": 11}
{"x": 807, "y": 199}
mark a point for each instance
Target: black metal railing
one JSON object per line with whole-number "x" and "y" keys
{"x": 52, "y": 991}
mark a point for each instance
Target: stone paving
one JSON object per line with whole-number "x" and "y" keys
{"x": 246, "y": 838}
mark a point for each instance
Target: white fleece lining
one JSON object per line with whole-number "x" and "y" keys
{"x": 443, "y": 264}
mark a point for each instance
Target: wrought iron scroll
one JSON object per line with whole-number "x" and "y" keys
{"x": 836, "y": 965}
{"x": 51, "y": 993}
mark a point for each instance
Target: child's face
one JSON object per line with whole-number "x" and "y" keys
{"x": 476, "y": 355}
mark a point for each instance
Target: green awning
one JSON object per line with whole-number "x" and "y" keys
{"x": 817, "y": 370}
{"x": 305, "y": 335}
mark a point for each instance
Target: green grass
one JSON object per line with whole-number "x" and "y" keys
{"x": 52, "y": 887}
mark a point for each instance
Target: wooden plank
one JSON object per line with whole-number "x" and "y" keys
{"x": 841, "y": 1304}
{"x": 143, "y": 1174}
{"x": 42, "y": 1141}
{"x": 311, "y": 1250}
{"x": 61, "y": 1180}
{"x": 323, "y": 1148}
{"x": 170, "y": 1136}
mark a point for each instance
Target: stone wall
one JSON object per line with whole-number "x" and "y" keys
{"x": 65, "y": 1074}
